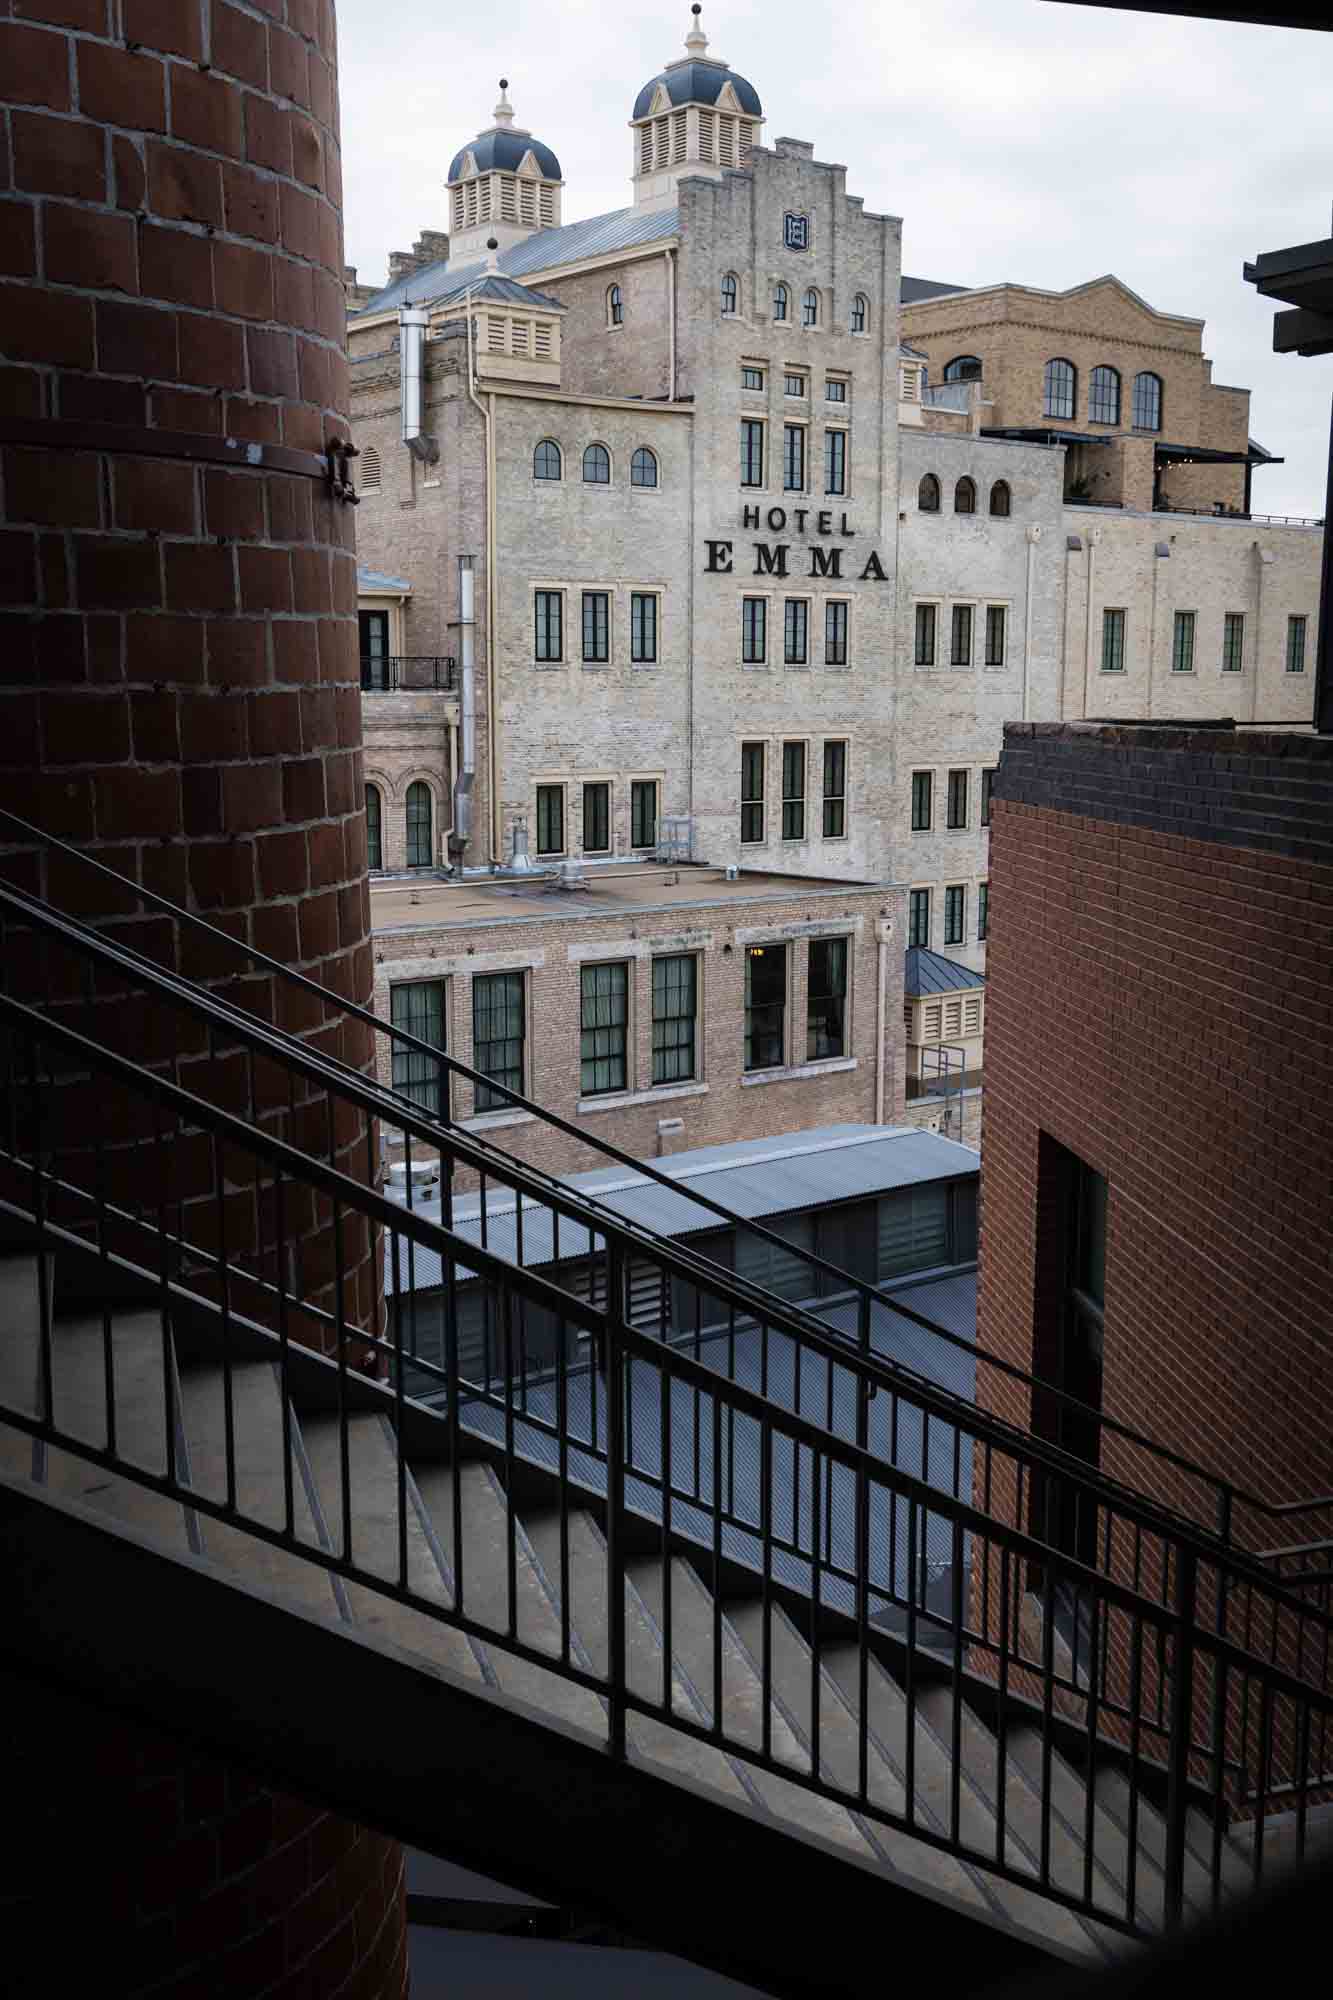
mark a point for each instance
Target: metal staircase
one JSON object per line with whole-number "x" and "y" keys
{"x": 601, "y": 1617}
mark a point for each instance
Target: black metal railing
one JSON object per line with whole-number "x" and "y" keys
{"x": 393, "y": 673}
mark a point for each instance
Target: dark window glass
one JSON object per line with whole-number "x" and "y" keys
{"x": 548, "y": 621}
{"x": 963, "y": 368}
{"x": 752, "y": 792}
{"x": 835, "y": 461}
{"x": 796, "y": 631}
{"x": 1295, "y": 645}
{"x": 420, "y": 844}
{"x": 546, "y": 460}
{"x": 765, "y": 1005}
{"x": 642, "y": 627}
{"x": 826, "y": 1003}
{"x": 987, "y": 786}
{"x": 923, "y": 787}
{"x": 1061, "y": 387}
{"x": 928, "y": 495}
{"x": 374, "y": 831}
{"x": 752, "y": 378}
{"x": 835, "y": 790}
{"x": 1182, "y": 643}
{"x": 1233, "y": 643}
{"x": 615, "y": 306}
{"x": 550, "y": 819}
{"x": 1113, "y": 642}
{"x": 835, "y": 392}
{"x": 675, "y": 986}
{"x": 1104, "y": 396}
{"x": 596, "y": 627}
{"x": 1147, "y": 402}
{"x": 810, "y": 308}
{"x": 498, "y": 1032}
{"x": 793, "y": 385}
{"x": 835, "y": 635}
{"x": 643, "y": 812}
{"x": 793, "y": 458}
{"x": 597, "y": 465}
{"x": 780, "y": 301}
{"x": 983, "y": 911}
{"x": 996, "y": 621}
{"x": 374, "y": 629}
{"x": 603, "y": 1019}
{"x": 643, "y": 467}
{"x": 925, "y": 635}
{"x": 730, "y": 293}
{"x": 418, "y": 1009}
{"x": 965, "y": 497}
{"x": 1000, "y": 499}
{"x": 596, "y": 819}
{"x": 913, "y": 1231}
{"x": 754, "y": 631}
{"x": 957, "y": 813}
{"x": 752, "y": 452}
{"x": 960, "y": 653}
{"x": 918, "y": 917}
{"x": 793, "y": 791}
{"x": 860, "y": 313}
{"x": 955, "y": 907}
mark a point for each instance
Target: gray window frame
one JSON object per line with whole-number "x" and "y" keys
{"x": 961, "y": 619}
{"x": 643, "y": 628}
{"x": 604, "y": 993}
{"x": 793, "y": 458}
{"x": 639, "y": 789}
{"x": 595, "y": 628}
{"x": 1149, "y": 401}
{"x": 835, "y": 463}
{"x": 374, "y": 828}
{"x": 796, "y": 621}
{"x": 997, "y": 620}
{"x": 958, "y": 803}
{"x": 592, "y": 810}
{"x": 542, "y": 825}
{"x": 795, "y": 778}
{"x": 923, "y": 801}
{"x": 754, "y": 631}
{"x": 983, "y": 911}
{"x": 1105, "y": 391}
{"x": 837, "y": 622}
{"x": 1059, "y": 392}
{"x": 918, "y": 918}
{"x": 1184, "y": 627}
{"x": 420, "y": 1008}
{"x": 955, "y": 913}
{"x": 413, "y": 818}
{"x": 826, "y": 999}
{"x": 927, "y": 634}
{"x": 643, "y": 459}
{"x": 511, "y": 989}
{"x": 1233, "y": 642}
{"x": 591, "y": 458}
{"x": 754, "y": 762}
{"x": 675, "y": 1036}
{"x": 547, "y": 445}
{"x": 752, "y": 451}
{"x": 548, "y": 617}
{"x": 1114, "y": 621}
{"x": 835, "y": 788}
{"x": 1297, "y": 630}
{"x": 762, "y": 1034}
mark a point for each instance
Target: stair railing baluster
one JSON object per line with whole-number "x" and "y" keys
{"x": 1002, "y": 1709}
{"x": 562, "y": 1476}
{"x": 664, "y": 1461}
{"x": 909, "y": 1671}
{"x": 504, "y": 1303}
{"x": 715, "y": 1485}
{"x": 614, "y": 1352}
{"x": 766, "y": 1582}
{"x": 956, "y": 1732}
{"x": 399, "y": 1412}
{"x": 816, "y": 1599}
{"x": 224, "y": 1295}
{"x": 1047, "y": 1704}
{"x": 340, "y": 1311}
{"x": 284, "y": 1356}
{"x": 1135, "y": 1748}
{"x": 1181, "y": 1729}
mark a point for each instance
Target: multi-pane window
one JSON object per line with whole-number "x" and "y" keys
{"x": 643, "y": 627}
{"x": 597, "y": 465}
{"x": 1147, "y": 402}
{"x": 918, "y": 917}
{"x": 965, "y": 496}
{"x": 997, "y": 620}
{"x": 1060, "y": 383}
{"x": 835, "y": 391}
{"x": 603, "y": 1027}
{"x": 675, "y": 1009}
{"x": 1113, "y": 642}
{"x": 597, "y": 819}
{"x": 374, "y": 631}
{"x": 925, "y": 635}
{"x": 765, "y": 1005}
{"x": 987, "y": 786}
{"x": 793, "y": 457}
{"x": 826, "y": 1000}
{"x": 596, "y": 627}
{"x": 956, "y": 815}
{"x": 643, "y": 812}
{"x": 835, "y": 790}
{"x": 730, "y": 294}
{"x": 810, "y": 307}
{"x": 546, "y": 460}
{"x": 781, "y": 299}
{"x": 1001, "y": 500}
{"x": 860, "y": 313}
{"x": 793, "y": 791}
{"x": 754, "y": 631}
{"x": 643, "y": 467}
{"x": 418, "y": 1009}
{"x": 1295, "y": 645}
{"x": 835, "y": 633}
{"x": 548, "y": 615}
{"x": 1104, "y": 396}
{"x": 960, "y": 648}
{"x": 752, "y": 452}
{"x": 983, "y": 911}
{"x": 1233, "y": 642}
{"x": 374, "y": 830}
{"x": 420, "y": 844}
{"x": 793, "y": 385}
{"x": 1182, "y": 643}
{"x": 835, "y": 461}
{"x": 752, "y": 792}
{"x": 923, "y": 789}
{"x": 615, "y": 307}
{"x": 752, "y": 378}
{"x": 550, "y": 819}
{"x": 928, "y": 494}
{"x": 963, "y": 368}
{"x": 955, "y": 906}
{"x": 796, "y": 631}
{"x": 498, "y": 1032}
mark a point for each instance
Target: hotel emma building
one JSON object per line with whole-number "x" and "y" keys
{"x": 679, "y": 526}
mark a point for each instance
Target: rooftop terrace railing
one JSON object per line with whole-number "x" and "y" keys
{"x": 401, "y": 673}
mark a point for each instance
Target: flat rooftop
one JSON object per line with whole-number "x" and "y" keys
{"x": 416, "y": 902}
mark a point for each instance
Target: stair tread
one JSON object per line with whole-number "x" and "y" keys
{"x": 1112, "y": 1789}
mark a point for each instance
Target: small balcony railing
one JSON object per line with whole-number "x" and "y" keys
{"x": 408, "y": 672}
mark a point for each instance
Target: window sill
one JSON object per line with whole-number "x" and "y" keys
{"x": 495, "y": 1121}
{"x": 796, "y": 1072}
{"x": 620, "y": 1100}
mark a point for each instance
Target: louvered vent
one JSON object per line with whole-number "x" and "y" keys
{"x": 645, "y": 149}
{"x": 495, "y": 333}
{"x": 726, "y": 142}
{"x": 707, "y": 128}
{"x": 527, "y": 199}
{"x": 677, "y": 136}
{"x": 953, "y": 1018}
{"x": 972, "y": 1016}
{"x": 544, "y": 339}
{"x": 370, "y": 470}
{"x": 548, "y": 207}
{"x": 931, "y": 1015}
{"x": 746, "y": 133}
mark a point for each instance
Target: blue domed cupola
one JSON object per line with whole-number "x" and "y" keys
{"x": 504, "y": 184}
{"x": 697, "y": 117}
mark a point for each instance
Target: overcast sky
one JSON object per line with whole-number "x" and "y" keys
{"x": 1017, "y": 139}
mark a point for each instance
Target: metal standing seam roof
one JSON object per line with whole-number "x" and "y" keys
{"x": 698, "y": 82}
{"x": 912, "y": 289}
{"x": 507, "y": 151}
{"x": 928, "y": 972}
{"x": 599, "y": 235}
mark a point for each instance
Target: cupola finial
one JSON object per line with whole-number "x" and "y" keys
{"x": 504, "y": 110}
{"x": 696, "y": 41}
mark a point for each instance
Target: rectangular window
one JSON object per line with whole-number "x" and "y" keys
{"x": 1296, "y": 645}
{"x": 997, "y": 619}
{"x": 1182, "y": 643}
{"x": 752, "y": 378}
{"x": 925, "y": 635}
{"x": 643, "y": 812}
{"x": 752, "y": 792}
{"x": 918, "y": 917}
{"x": 835, "y": 790}
{"x": 826, "y": 1000}
{"x": 498, "y": 1033}
{"x": 955, "y": 913}
{"x": 983, "y": 911}
{"x": 603, "y": 1027}
{"x": 550, "y": 819}
{"x": 418, "y": 1009}
{"x": 835, "y": 634}
{"x": 597, "y": 819}
{"x": 960, "y": 649}
{"x": 643, "y": 628}
{"x": 547, "y": 606}
{"x": 835, "y": 461}
{"x": 796, "y": 632}
{"x": 752, "y": 452}
{"x": 987, "y": 786}
{"x": 1113, "y": 642}
{"x": 765, "y": 1006}
{"x": 754, "y": 631}
{"x": 793, "y": 791}
{"x": 1233, "y": 642}
{"x": 835, "y": 392}
{"x": 793, "y": 385}
{"x": 957, "y": 808}
{"x": 596, "y": 627}
{"x": 923, "y": 786}
{"x": 675, "y": 1009}
{"x": 793, "y": 457}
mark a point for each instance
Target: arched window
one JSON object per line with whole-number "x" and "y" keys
{"x": 810, "y": 307}
{"x": 374, "y": 834}
{"x": 615, "y": 306}
{"x": 963, "y": 368}
{"x": 999, "y": 499}
{"x": 1104, "y": 396}
{"x": 643, "y": 467}
{"x": 1060, "y": 388}
{"x": 781, "y": 297}
{"x": 370, "y": 470}
{"x": 731, "y": 292}
{"x": 597, "y": 465}
{"x": 965, "y": 497}
{"x": 546, "y": 460}
{"x": 420, "y": 849}
{"x": 860, "y": 313}
{"x": 928, "y": 495}
{"x": 1147, "y": 402}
